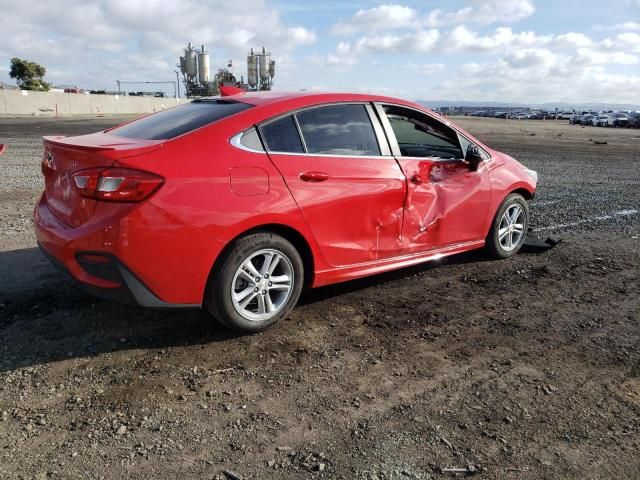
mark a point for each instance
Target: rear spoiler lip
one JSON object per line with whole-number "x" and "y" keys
{"x": 109, "y": 142}
{"x": 113, "y": 147}
{"x": 60, "y": 141}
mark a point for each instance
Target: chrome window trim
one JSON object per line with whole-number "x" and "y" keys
{"x": 235, "y": 141}
{"x": 381, "y": 141}
{"x": 386, "y": 157}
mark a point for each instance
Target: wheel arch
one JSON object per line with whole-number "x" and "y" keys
{"x": 526, "y": 194}
{"x": 521, "y": 189}
{"x": 296, "y": 238}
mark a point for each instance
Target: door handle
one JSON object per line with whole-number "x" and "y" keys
{"x": 417, "y": 179}
{"x": 314, "y": 177}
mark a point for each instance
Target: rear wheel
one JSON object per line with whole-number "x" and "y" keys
{"x": 509, "y": 227}
{"x": 256, "y": 283}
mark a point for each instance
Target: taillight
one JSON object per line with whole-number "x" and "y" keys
{"x": 116, "y": 184}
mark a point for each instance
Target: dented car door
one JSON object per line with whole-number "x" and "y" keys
{"x": 447, "y": 201}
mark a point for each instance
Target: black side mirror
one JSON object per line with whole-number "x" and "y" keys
{"x": 473, "y": 157}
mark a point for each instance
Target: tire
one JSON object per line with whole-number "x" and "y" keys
{"x": 512, "y": 240}
{"x": 231, "y": 284}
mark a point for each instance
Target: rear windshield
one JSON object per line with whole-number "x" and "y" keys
{"x": 179, "y": 120}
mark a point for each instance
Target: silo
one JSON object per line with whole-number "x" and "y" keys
{"x": 190, "y": 61}
{"x": 265, "y": 59}
{"x": 203, "y": 66}
{"x": 252, "y": 69}
{"x": 272, "y": 68}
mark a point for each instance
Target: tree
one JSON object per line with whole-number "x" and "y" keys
{"x": 28, "y": 75}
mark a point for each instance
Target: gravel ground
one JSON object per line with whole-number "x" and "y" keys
{"x": 527, "y": 368}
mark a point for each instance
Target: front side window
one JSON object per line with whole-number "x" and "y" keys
{"x": 419, "y": 135}
{"x": 281, "y": 135}
{"x": 338, "y": 130}
{"x": 179, "y": 120}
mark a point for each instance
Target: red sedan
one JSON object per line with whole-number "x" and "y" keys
{"x": 236, "y": 203}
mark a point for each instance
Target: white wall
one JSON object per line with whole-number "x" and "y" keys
{"x": 24, "y": 102}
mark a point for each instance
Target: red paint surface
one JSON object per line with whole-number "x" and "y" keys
{"x": 359, "y": 217}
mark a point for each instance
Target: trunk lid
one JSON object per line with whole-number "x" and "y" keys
{"x": 63, "y": 156}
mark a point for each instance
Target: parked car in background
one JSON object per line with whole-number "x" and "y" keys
{"x": 585, "y": 119}
{"x": 617, "y": 120}
{"x": 633, "y": 120}
{"x": 235, "y": 204}
{"x": 600, "y": 120}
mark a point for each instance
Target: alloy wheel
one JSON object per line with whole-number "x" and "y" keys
{"x": 262, "y": 285}
{"x": 511, "y": 229}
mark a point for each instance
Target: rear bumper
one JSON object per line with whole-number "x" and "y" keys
{"x": 131, "y": 290}
{"x": 147, "y": 257}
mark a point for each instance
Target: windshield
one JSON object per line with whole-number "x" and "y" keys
{"x": 179, "y": 120}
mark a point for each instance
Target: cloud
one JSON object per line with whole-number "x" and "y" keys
{"x": 627, "y": 42}
{"x": 94, "y": 42}
{"x": 482, "y": 12}
{"x": 394, "y": 16}
{"x": 625, "y": 26}
{"x": 421, "y": 41}
{"x": 530, "y": 58}
{"x": 347, "y": 53}
{"x": 301, "y": 36}
{"x": 385, "y": 17}
{"x": 539, "y": 76}
{"x": 463, "y": 39}
{"x": 426, "y": 68}
{"x": 589, "y": 56}
{"x": 628, "y": 26}
{"x": 460, "y": 39}
{"x": 572, "y": 40}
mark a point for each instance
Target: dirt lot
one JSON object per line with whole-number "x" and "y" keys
{"x": 527, "y": 368}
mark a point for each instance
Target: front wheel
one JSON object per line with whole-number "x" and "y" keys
{"x": 256, "y": 283}
{"x": 509, "y": 227}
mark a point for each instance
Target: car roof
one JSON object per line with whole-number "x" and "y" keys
{"x": 314, "y": 98}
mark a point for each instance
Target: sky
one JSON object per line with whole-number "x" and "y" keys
{"x": 525, "y": 51}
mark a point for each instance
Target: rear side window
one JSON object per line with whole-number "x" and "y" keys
{"x": 179, "y": 120}
{"x": 250, "y": 139}
{"x": 281, "y": 135}
{"x": 338, "y": 130}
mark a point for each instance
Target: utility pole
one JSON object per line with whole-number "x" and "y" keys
{"x": 178, "y": 83}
